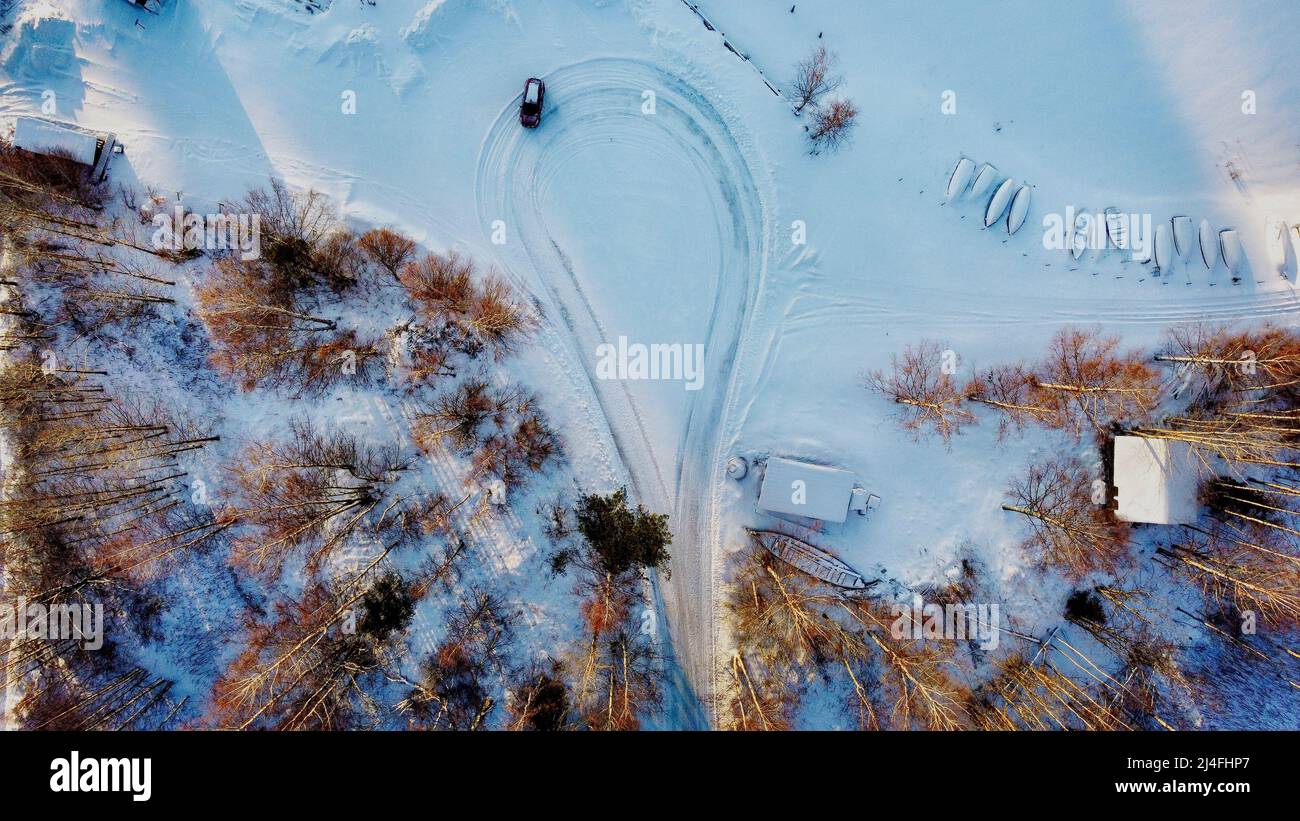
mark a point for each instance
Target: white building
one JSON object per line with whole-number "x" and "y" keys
{"x": 814, "y": 491}
{"x": 1156, "y": 481}
{"x": 41, "y": 136}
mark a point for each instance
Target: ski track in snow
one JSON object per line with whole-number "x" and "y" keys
{"x": 589, "y": 102}
{"x": 970, "y": 310}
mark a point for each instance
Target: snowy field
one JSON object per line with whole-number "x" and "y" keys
{"x": 669, "y": 197}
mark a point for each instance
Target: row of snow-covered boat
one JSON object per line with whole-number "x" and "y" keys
{"x": 1171, "y": 242}
{"x": 971, "y": 183}
{"x": 1008, "y": 203}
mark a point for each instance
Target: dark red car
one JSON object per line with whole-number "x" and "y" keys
{"x": 530, "y": 110}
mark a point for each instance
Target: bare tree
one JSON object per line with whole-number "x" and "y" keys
{"x": 304, "y": 669}
{"x": 130, "y": 699}
{"x": 1228, "y": 365}
{"x": 294, "y": 227}
{"x": 387, "y": 248}
{"x": 259, "y": 333}
{"x": 924, "y": 696}
{"x": 453, "y": 691}
{"x": 832, "y": 125}
{"x": 756, "y": 702}
{"x": 814, "y": 78}
{"x": 1243, "y": 438}
{"x": 1069, "y": 530}
{"x": 496, "y": 318}
{"x": 1036, "y": 694}
{"x": 540, "y": 702}
{"x": 1091, "y": 384}
{"x": 442, "y": 286}
{"x": 502, "y": 428}
{"x": 308, "y": 494}
{"x": 1013, "y": 391}
{"x": 787, "y": 623}
{"x": 37, "y": 179}
{"x": 339, "y": 260}
{"x": 1238, "y": 576}
{"x": 929, "y": 396}
{"x": 470, "y": 315}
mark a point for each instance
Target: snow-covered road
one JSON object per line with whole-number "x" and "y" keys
{"x": 589, "y": 104}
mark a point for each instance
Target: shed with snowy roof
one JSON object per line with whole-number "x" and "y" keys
{"x": 798, "y": 488}
{"x": 1155, "y": 481}
{"x": 52, "y": 138}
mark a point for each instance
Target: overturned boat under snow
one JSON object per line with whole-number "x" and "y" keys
{"x": 811, "y": 560}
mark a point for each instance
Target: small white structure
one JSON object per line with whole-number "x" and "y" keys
{"x": 802, "y": 489}
{"x": 1155, "y": 481}
{"x": 41, "y": 136}
{"x": 737, "y": 467}
{"x": 862, "y": 502}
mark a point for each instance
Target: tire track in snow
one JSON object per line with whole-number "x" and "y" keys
{"x": 996, "y": 311}
{"x": 599, "y": 100}
{"x": 954, "y": 307}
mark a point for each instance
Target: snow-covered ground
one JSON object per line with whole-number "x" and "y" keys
{"x": 661, "y": 197}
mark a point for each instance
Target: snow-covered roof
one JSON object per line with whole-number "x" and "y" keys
{"x": 1155, "y": 481}
{"x": 803, "y": 489}
{"x": 45, "y": 137}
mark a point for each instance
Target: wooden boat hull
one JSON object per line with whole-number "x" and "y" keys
{"x": 811, "y": 560}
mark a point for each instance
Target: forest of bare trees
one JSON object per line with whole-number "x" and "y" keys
{"x": 94, "y": 508}
{"x": 791, "y": 630}
{"x": 1229, "y": 395}
{"x": 328, "y": 547}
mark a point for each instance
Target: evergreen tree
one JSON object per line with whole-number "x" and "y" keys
{"x": 620, "y": 538}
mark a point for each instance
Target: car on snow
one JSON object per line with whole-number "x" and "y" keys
{"x": 530, "y": 110}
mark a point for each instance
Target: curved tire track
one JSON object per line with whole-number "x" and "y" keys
{"x": 597, "y": 101}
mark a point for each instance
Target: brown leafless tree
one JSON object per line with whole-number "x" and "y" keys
{"x": 388, "y": 249}
{"x": 832, "y": 125}
{"x": 1090, "y": 383}
{"x": 1013, "y": 391}
{"x": 1069, "y": 529}
{"x": 814, "y": 78}
{"x": 307, "y": 495}
{"x": 929, "y": 396}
